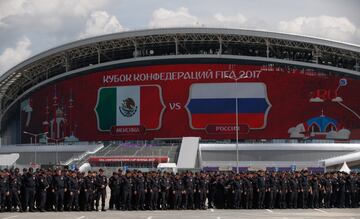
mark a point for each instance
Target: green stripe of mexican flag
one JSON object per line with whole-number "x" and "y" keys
{"x": 118, "y": 106}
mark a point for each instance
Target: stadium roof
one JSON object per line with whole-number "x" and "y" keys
{"x": 176, "y": 43}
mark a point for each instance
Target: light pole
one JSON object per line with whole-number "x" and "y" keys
{"x": 35, "y": 137}
{"x": 57, "y": 151}
{"x": 237, "y": 123}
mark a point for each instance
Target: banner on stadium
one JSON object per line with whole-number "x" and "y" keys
{"x": 177, "y": 100}
{"x": 129, "y": 106}
{"x": 215, "y": 104}
{"x": 116, "y": 159}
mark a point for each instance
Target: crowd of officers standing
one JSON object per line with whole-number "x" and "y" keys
{"x": 59, "y": 190}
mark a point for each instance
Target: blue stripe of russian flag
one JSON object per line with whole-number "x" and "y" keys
{"x": 227, "y": 105}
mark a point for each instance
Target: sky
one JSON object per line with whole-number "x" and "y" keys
{"x": 28, "y": 27}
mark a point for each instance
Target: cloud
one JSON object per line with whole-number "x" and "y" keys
{"x": 8, "y": 8}
{"x": 31, "y": 7}
{"x": 49, "y": 23}
{"x": 232, "y": 21}
{"x": 12, "y": 56}
{"x": 336, "y": 28}
{"x": 43, "y": 13}
{"x": 297, "y": 132}
{"x": 316, "y": 100}
{"x": 341, "y": 134}
{"x": 180, "y": 17}
{"x": 100, "y": 22}
{"x": 337, "y": 99}
{"x": 46, "y": 23}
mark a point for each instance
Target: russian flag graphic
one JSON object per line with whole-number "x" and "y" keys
{"x": 215, "y": 104}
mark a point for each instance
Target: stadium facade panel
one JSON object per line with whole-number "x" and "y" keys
{"x": 195, "y": 97}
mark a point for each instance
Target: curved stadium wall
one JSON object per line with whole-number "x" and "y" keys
{"x": 171, "y": 83}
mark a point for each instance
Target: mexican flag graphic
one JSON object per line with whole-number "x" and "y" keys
{"x": 129, "y": 106}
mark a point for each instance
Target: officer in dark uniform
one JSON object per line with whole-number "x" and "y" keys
{"x": 140, "y": 185}
{"x": 114, "y": 184}
{"x": 202, "y": 187}
{"x": 165, "y": 184}
{"x": 305, "y": 189}
{"x": 199, "y": 193}
{"x": 341, "y": 191}
{"x": 127, "y": 187}
{"x": 284, "y": 187}
{"x": 59, "y": 188}
{"x": 315, "y": 188}
{"x": 74, "y": 191}
{"x": 189, "y": 189}
{"x": 352, "y": 190}
{"x": 29, "y": 190}
{"x": 228, "y": 192}
{"x": 37, "y": 192}
{"x": 15, "y": 189}
{"x": 178, "y": 190}
{"x": 237, "y": 188}
{"x": 22, "y": 190}
{"x": 154, "y": 189}
{"x": 335, "y": 190}
{"x": 327, "y": 190}
{"x": 66, "y": 174}
{"x": 82, "y": 195}
{"x": 212, "y": 190}
{"x": 50, "y": 196}
{"x": 101, "y": 183}
{"x": 261, "y": 186}
{"x": 121, "y": 191}
{"x": 249, "y": 191}
{"x": 294, "y": 190}
{"x": 89, "y": 190}
{"x": 219, "y": 192}
{"x": 4, "y": 189}
{"x": 148, "y": 180}
{"x": 42, "y": 186}
{"x": 273, "y": 189}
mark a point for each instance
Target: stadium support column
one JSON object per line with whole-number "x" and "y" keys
{"x": 66, "y": 62}
{"x": 1, "y": 133}
{"x": 220, "y": 46}
{"x": 98, "y": 55}
{"x": 316, "y": 54}
{"x": 71, "y": 106}
{"x": 135, "y": 49}
{"x": 267, "y": 48}
{"x": 55, "y": 107}
{"x": 176, "y": 46}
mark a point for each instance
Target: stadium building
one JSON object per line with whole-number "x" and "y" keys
{"x": 247, "y": 99}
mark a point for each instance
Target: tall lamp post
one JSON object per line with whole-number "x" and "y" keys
{"x": 237, "y": 123}
{"x": 57, "y": 151}
{"x": 35, "y": 138}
